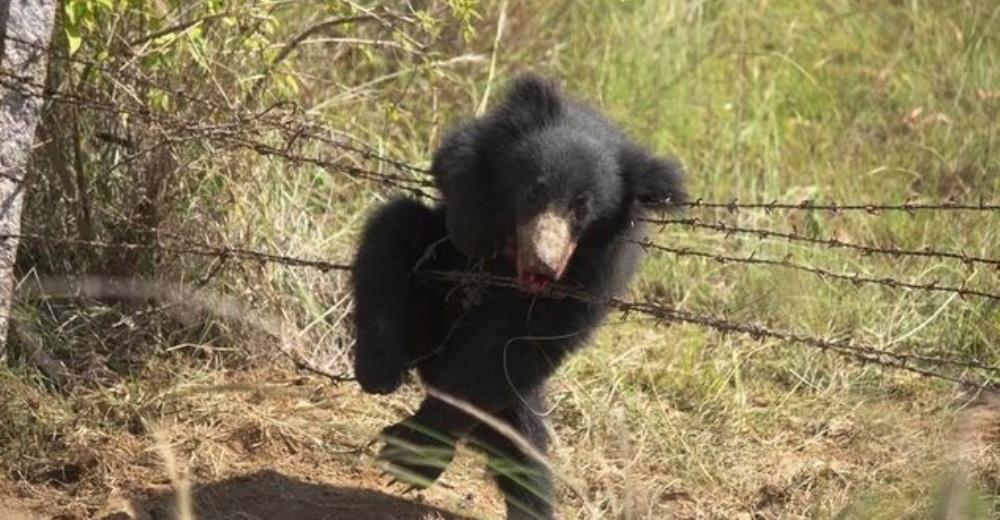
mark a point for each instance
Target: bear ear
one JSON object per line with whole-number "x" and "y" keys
{"x": 657, "y": 182}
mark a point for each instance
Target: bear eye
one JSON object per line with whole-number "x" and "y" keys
{"x": 580, "y": 208}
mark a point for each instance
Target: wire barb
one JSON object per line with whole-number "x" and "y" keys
{"x": 282, "y": 131}
{"x": 730, "y": 230}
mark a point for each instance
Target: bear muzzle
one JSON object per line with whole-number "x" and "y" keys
{"x": 545, "y": 244}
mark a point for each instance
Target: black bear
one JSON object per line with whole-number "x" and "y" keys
{"x": 543, "y": 191}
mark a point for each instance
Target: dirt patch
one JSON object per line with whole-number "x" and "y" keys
{"x": 974, "y": 455}
{"x": 271, "y": 495}
{"x": 265, "y": 495}
{"x": 261, "y": 443}
{"x": 8, "y": 513}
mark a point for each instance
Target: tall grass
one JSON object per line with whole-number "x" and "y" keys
{"x": 852, "y": 101}
{"x": 834, "y": 100}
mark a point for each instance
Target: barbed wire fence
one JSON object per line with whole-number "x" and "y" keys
{"x": 282, "y": 132}
{"x": 984, "y": 375}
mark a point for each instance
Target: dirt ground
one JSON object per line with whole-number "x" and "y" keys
{"x": 270, "y": 444}
{"x": 262, "y": 495}
{"x": 291, "y": 451}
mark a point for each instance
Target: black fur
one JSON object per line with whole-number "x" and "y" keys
{"x": 495, "y": 347}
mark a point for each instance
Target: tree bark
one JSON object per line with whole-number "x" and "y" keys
{"x": 26, "y": 27}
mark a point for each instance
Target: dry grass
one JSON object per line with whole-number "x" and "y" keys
{"x": 851, "y": 101}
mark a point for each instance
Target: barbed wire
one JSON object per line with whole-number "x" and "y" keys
{"x": 281, "y": 120}
{"x": 227, "y": 252}
{"x": 847, "y": 347}
{"x": 222, "y": 253}
{"x": 895, "y": 252}
{"x": 248, "y": 129}
{"x": 874, "y": 208}
{"x": 855, "y": 278}
{"x": 237, "y": 132}
{"x": 290, "y": 122}
{"x": 863, "y": 354}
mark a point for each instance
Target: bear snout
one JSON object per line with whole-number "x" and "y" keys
{"x": 545, "y": 244}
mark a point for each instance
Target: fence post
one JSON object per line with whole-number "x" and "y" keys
{"x": 26, "y": 27}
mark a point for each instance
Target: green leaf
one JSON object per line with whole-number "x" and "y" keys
{"x": 73, "y": 38}
{"x": 70, "y": 10}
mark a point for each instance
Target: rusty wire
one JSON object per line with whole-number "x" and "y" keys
{"x": 291, "y": 120}
{"x": 247, "y": 129}
{"x": 241, "y": 129}
{"x": 855, "y": 278}
{"x": 873, "y": 208}
{"x": 855, "y": 351}
{"x": 290, "y": 123}
{"x": 860, "y": 353}
{"x": 833, "y": 242}
{"x": 222, "y": 253}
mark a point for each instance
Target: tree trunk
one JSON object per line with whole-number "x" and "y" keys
{"x": 26, "y": 26}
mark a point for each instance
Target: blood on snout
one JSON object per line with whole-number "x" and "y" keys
{"x": 544, "y": 246}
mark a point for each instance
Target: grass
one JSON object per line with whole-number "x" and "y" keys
{"x": 828, "y": 100}
{"x": 833, "y": 102}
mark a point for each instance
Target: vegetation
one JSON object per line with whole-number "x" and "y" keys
{"x": 838, "y": 100}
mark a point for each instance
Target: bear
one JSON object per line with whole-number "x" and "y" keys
{"x": 542, "y": 192}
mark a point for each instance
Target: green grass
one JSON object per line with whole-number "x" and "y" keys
{"x": 849, "y": 101}
{"x": 841, "y": 101}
